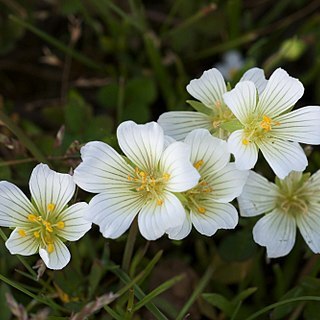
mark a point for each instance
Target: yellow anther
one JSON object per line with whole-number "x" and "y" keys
{"x": 51, "y": 206}
{"x": 60, "y": 224}
{"x": 159, "y": 202}
{"x": 203, "y": 183}
{"x": 136, "y": 170}
{"x": 22, "y": 233}
{"x": 50, "y": 248}
{"x": 48, "y": 239}
{"x": 142, "y": 187}
{"x": 202, "y": 210}
{"x": 166, "y": 176}
{"x": 218, "y": 104}
{"x": 36, "y": 234}
{"x": 153, "y": 181}
{"x": 142, "y": 174}
{"x": 129, "y": 177}
{"x": 32, "y": 218}
{"x": 245, "y": 141}
{"x": 47, "y": 225}
{"x": 198, "y": 164}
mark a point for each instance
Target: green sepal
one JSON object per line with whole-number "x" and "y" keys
{"x": 200, "y": 107}
{"x": 231, "y": 125}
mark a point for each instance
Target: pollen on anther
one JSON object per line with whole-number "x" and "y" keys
{"x": 50, "y": 248}
{"x": 159, "y": 202}
{"x": 245, "y": 141}
{"x": 36, "y": 234}
{"x": 166, "y": 176}
{"x": 51, "y": 206}
{"x": 22, "y": 233}
{"x": 198, "y": 164}
{"x": 60, "y": 224}
{"x": 32, "y": 217}
{"x": 202, "y": 210}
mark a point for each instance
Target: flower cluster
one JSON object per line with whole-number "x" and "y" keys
{"x": 177, "y": 173}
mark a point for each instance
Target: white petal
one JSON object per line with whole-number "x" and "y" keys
{"x": 313, "y": 182}
{"x": 167, "y": 141}
{"x": 178, "y": 124}
{"x": 280, "y": 94}
{"x": 57, "y": 259}
{"x": 277, "y": 232}
{"x": 182, "y": 231}
{"x": 50, "y": 187}
{"x": 114, "y": 211}
{"x": 212, "y": 151}
{"x": 242, "y": 100}
{"x": 283, "y": 156}
{"x": 143, "y": 144}
{"x": 175, "y": 161}
{"x": 246, "y": 155}
{"x": 154, "y": 220}
{"x": 217, "y": 216}
{"x": 258, "y": 196}
{"x": 256, "y": 75}
{"x": 302, "y": 125}
{"x": 209, "y": 88}
{"x": 14, "y": 205}
{"x": 309, "y": 226}
{"x": 24, "y": 246}
{"x": 75, "y": 225}
{"x": 101, "y": 168}
{"x": 227, "y": 183}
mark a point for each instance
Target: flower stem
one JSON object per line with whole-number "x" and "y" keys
{"x": 129, "y": 246}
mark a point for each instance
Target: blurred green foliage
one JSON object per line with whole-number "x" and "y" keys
{"x": 70, "y": 72}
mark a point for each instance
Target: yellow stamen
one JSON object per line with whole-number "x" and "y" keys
{"x": 32, "y": 218}
{"x": 129, "y": 177}
{"x": 51, "y": 206}
{"x": 50, "y": 248}
{"x": 36, "y": 234}
{"x": 60, "y": 225}
{"x": 22, "y": 233}
{"x": 47, "y": 225}
{"x": 159, "y": 202}
{"x": 266, "y": 123}
{"x": 202, "y": 210}
{"x": 198, "y": 164}
{"x": 245, "y": 141}
{"x": 166, "y": 176}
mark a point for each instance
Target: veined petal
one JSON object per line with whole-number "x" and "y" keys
{"x": 101, "y": 168}
{"x": 208, "y": 154}
{"x": 313, "y": 182}
{"x": 143, "y": 144}
{"x": 246, "y": 155}
{"x": 256, "y": 75}
{"x": 75, "y": 225}
{"x": 283, "y": 156}
{"x": 301, "y": 125}
{"x": 277, "y": 232}
{"x": 182, "y": 231}
{"x": 167, "y": 141}
{"x": 58, "y": 258}
{"x": 209, "y": 88}
{"x": 227, "y": 183}
{"x": 14, "y": 205}
{"x": 113, "y": 211}
{"x": 25, "y": 245}
{"x": 242, "y": 100}
{"x": 258, "y": 196}
{"x": 280, "y": 94}
{"x": 50, "y": 187}
{"x": 178, "y": 124}
{"x": 154, "y": 220}
{"x": 217, "y": 216}
{"x": 175, "y": 161}
{"x": 309, "y": 226}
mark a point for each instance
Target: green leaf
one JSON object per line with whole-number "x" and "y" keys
{"x": 108, "y": 96}
{"x": 200, "y": 107}
{"x": 219, "y": 301}
{"x": 141, "y": 89}
{"x": 231, "y": 125}
{"x": 244, "y": 294}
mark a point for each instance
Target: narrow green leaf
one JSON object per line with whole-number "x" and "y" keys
{"x": 244, "y": 294}
{"x": 219, "y": 301}
{"x": 200, "y": 107}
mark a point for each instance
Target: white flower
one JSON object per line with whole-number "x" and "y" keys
{"x": 144, "y": 183}
{"x": 209, "y": 90}
{"x": 207, "y": 204}
{"x": 43, "y": 224}
{"x": 232, "y": 62}
{"x": 268, "y": 125}
{"x": 290, "y": 203}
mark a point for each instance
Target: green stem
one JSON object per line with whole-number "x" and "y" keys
{"x": 281, "y": 303}
{"x": 198, "y": 290}
{"x": 129, "y": 246}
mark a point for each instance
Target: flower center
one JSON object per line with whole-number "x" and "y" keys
{"x": 42, "y": 229}
{"x": 196, "y": 195}
{"x": 258, "y": 129}
{"x": 149, "y": 185}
